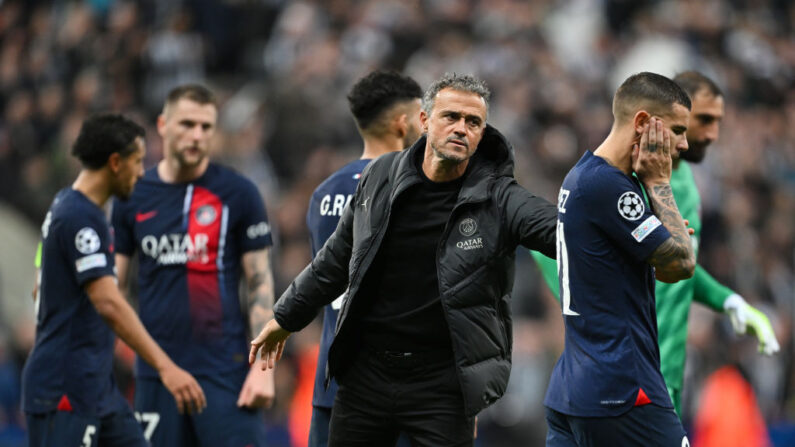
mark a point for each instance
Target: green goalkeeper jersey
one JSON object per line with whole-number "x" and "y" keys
{"x": 673, "y": 300}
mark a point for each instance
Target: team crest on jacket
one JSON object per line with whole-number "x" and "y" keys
{"x": 205, "y": 215}
{"x": 468, "y": 227}
{"x": 630, "y": 206}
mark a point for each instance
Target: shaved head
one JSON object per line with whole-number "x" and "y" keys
{"x": 651, "y": 92}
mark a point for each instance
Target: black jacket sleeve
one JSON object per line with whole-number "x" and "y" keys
{"x": 322, "y": 281}
{"x": 532, "y": 221}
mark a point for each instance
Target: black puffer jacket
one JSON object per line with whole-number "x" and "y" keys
{"x": 475, "y": 262}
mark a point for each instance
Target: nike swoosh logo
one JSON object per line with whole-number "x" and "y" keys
{"x": 140, "y": 217}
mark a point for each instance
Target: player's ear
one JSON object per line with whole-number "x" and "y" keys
{"x": 639, "y": 120}
{"x": 114, "y": 162}
{"x": 161, "y": 125}
{"x": 424, "y": 121}
{"x": 401, "y": 125}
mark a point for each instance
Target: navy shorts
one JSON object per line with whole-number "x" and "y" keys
{"x": 647, "y": 425}
{"x": 60, "y": 428}
{"x": 221, "y": 424}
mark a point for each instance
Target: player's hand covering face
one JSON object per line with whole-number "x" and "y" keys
{"x": 651, "y": 157}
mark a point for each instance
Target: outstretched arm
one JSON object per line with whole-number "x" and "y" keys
{"x": 531, "y": 220}
{"x": 320, "y": 283}
{"x": 323, "y": 280}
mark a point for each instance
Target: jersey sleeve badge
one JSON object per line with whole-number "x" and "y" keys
{"x": 631, "y": 206}
{"x": 87, "y": 241}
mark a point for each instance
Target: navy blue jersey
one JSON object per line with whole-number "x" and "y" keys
{"x": 71, "y": 361}
{"x": 189, "y": 238}
{"x": 325, "y": 210}
{"x": 605, "y": 234}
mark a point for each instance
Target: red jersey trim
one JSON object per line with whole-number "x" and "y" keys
{"x": 642, "y": 399}
{"x": 64, "y": 404}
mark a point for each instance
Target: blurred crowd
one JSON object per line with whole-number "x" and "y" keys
{"x": 281, "y": 69}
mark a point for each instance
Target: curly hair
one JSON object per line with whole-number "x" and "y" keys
{"x": 377, "y": 92}
{"x": 102, "y": 135}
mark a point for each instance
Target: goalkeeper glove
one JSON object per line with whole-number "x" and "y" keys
{"x": 743, "y": 315}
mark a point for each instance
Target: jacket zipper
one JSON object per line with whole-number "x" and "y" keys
{"x": 442, "y": 242}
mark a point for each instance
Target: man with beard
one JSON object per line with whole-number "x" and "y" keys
{"x": 425, "y": 249}
{"x": 607, "y": 388}
{"x": 197, "y": 227}
{"x": 673, "y": 300}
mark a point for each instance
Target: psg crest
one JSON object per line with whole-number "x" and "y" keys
{"x": 468, "y": 227}
{"x": 205, "y": 215}
{"x": 630, "y": 206}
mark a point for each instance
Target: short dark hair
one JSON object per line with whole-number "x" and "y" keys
{"x": 455, "y": 81}
{"x": 194, "y": 92}
{"x": 650, "y": 91}
{"x": 375, "y": 93}
{"x": 102, "y": 135}
{"x": 693, "y": 82}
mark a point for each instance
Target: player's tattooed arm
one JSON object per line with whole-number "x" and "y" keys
{"x": 259, "y": 286}
{"x": 258, "y": 390}
{"x": 674, "y": 259}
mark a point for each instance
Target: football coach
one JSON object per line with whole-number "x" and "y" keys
{"x": 424, "y": 254}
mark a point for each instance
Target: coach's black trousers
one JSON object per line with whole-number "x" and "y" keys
{"x": 384, "y": 393}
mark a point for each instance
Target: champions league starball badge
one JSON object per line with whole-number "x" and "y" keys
{"x": 630, "y": 206}
{"x": 87, "y": 241}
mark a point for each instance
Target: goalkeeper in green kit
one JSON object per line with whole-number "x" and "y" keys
{"x": 673, "y": 300}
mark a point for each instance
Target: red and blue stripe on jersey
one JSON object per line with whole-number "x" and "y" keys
{"x": 205, "y": 274}
{"x": 190, "y": 238}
